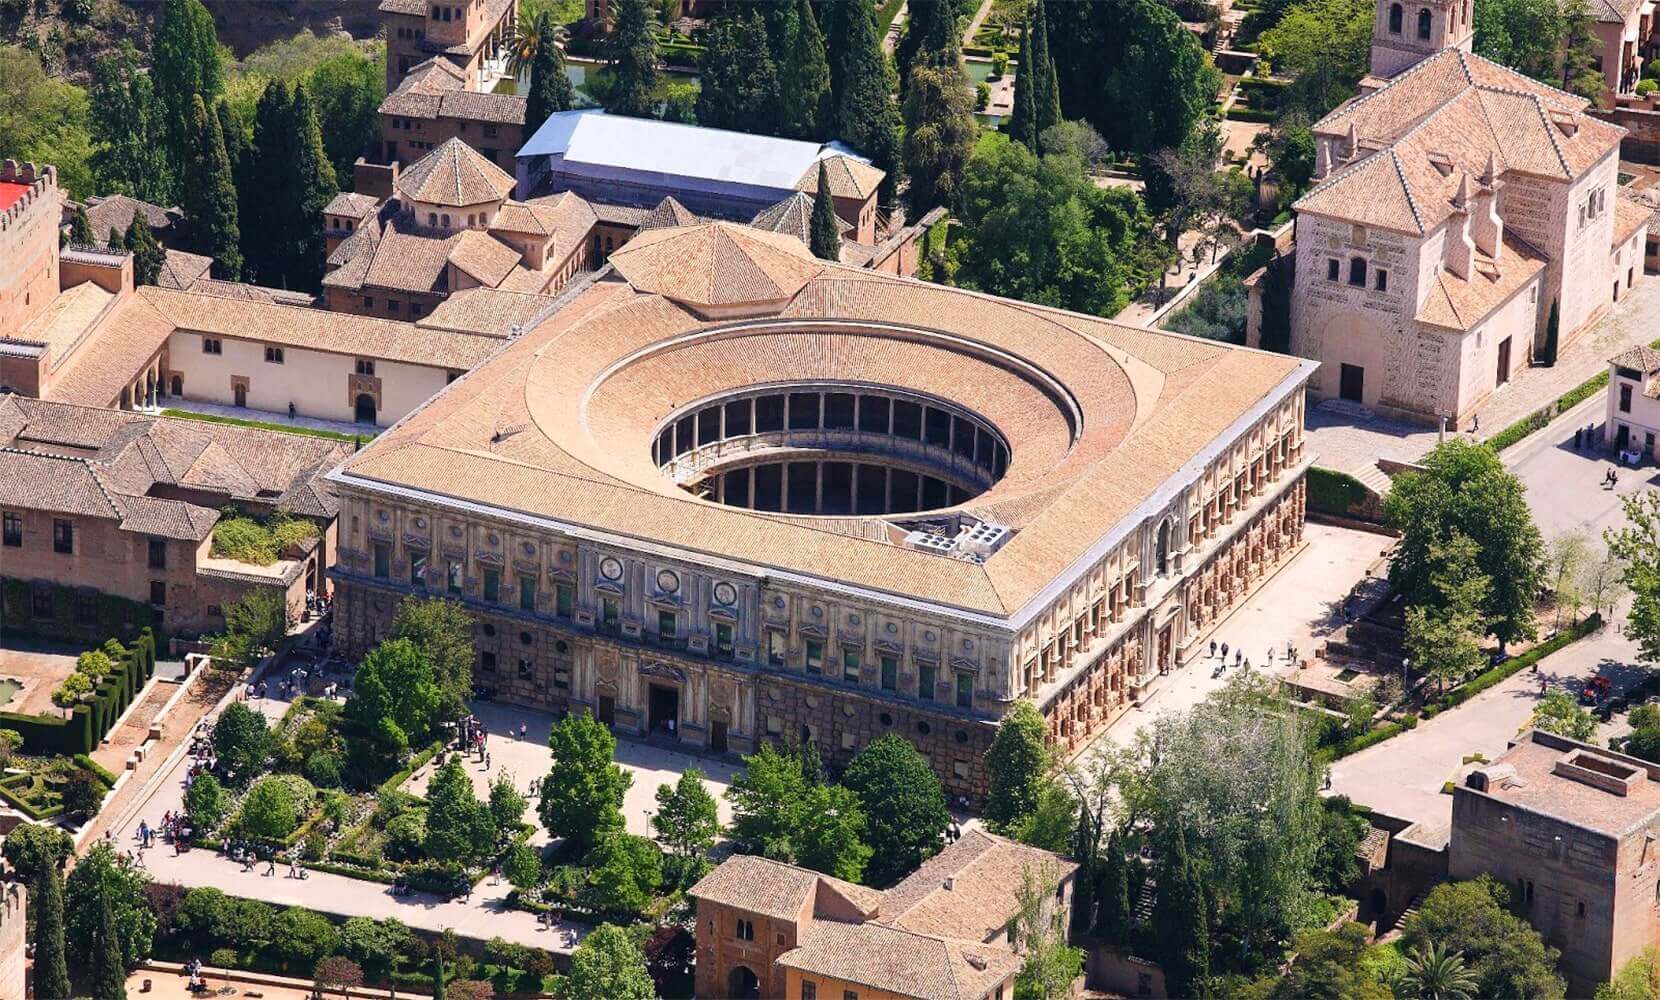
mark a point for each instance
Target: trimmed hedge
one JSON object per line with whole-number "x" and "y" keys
{"x": 86, "y": 725}
{"x": 1332, "y": 492}
{"x": 391, "y": 784}
{"x": 1239, "y": 114}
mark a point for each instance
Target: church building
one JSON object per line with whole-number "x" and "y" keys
{"x": 1463, "y": 221}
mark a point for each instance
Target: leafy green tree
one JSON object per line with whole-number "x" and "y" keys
{"x": 1341, "y": 831}
{"x": 632, "y": 56}
{"x": 242, "y": 741}
{"x": 1041, "y": 231}
{"x": 904, "y": 806}
{"x": 271, "y": 808}
{"x": 315, "y": 186}
{"x": 827, "y": 228}
{"x": 104, "y": 876}
{"x": 1433, "y": 971}
{"x": 347, "y": 90}
{"x": 1332, "y": 965}
{"x": 831, "y": 826}
{"x": 1022, "y": 126}
{"x": 265, "y": 184}
{"x": 1637, "y": 979}
{"x": 238, "y": 145}
{"x": 210, "y": 197}
{"x": 131, "y": 156}
{"x": 148, "y": 256}
{"x": 523, "y": 867}
{"x": 300, "y": 937}
{"x": 766, "y": 799}
{"x": 608, "y": 963}
{"x": 1016, "y": 763}
{"x": 1508, "y": 958}
{"x": 80, "y": 228}
{"x": 43, "y": 120}
{"x": 550, "y": 87}
{"x": 688, "y": 821}
{"x": 1525, "y": 35}
{"x": 865, "y": 116}
{"x": 1052, "y": 822}
{"x": 741, "y": 89}
{"x": 804, "y": 73}
{"x": 1443, "y": 636}
{"x": 1581, "y": 61}
{"x": 82, "y": 794}
{"x": 1561, "y": 713}
{"x": 582, "y": 794}
{"x": 1324, "y": 45}
{"x": 940, "y": 128}
{"x": 1465, "y": 488}
{"x": 254, "y": 624}
{"x": 459, "y": 826}
{"x": 377, "y": 945}
{"x": 1051, "y": 966}
{"x": 623, "y": 871}
{"x": 185, "y": 67}
{"x": 32, "y": 848}
{"x": 46, "y": 902}
{"x": 1046, "y": 94}
{"x": 507, "y": 803}
{"x": 396, "y": 686}
{"x": 443, "y": 632}
{"x": 1637, "y": 548}
{"x": 109, "y": 974}
{"x": 1163, "y": 85}
{"x": 1181, "y": 918}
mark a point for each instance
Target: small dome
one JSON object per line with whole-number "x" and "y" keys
{"x": 454, "y": 175}
{"x": 718, "y": 264}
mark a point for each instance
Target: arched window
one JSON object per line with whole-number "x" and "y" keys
{"x": 1423, "y": 25}
{"x": 446, "y": 221}
{"x": 1162, "y": 554}
{"x": 1394, "y": 19}
{"x": 1357, "y": 271}
{"x": 432, "y": 218}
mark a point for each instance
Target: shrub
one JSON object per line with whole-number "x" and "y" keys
{"x": 242, "y": 742}
{"x": 323, "y": 769}
{"x": 1646, "y": 87}
{"x": 83, "y": 794}
{"x": 95, "y": 663}
{"x": 1217, "y": 312}
{"x": 74, "y": 687}
{"x": 300, "y": 937}
{"x": 205, "y": 802}
{"x": 247, "y": 540}
{"x": 1334, "y": 492}
{"x": 406, "y": 835}
{"x": 224, "y": 958}
{"x": 275, "y": 806}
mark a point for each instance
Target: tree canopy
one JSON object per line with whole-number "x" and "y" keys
{"x": 459, "y": 826}
{"x": 550, "y": 86}
{"x": 632, "y": 56}
{"x": 185, "y": 66}
{"x": 904, "y": 806}
{"x": 582, "y": 794}
{"x": 1017, "y": 763}
{"x": 442, "y": 631}
{"x": 784, "y": 813}
{"x": 102, "y": 876}
{"x": 687, "y": 820}
{"x": 1507, "y": 957}
{"x": 1325, "y": 45}
{"x": 864, "y": 116}
{"x": 608, "y": 963}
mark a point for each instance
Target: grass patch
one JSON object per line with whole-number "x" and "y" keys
{"x": 1331, "y": 492}
{"x": 214, "y": 418}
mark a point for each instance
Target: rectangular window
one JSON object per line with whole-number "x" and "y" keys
{"x": 368, "y": 302}
{"x": 41, "y": 605}
{"x": 383, "y": 560}
{"x": 1332, "y": 268}
{"x": 925, "y": 682}
{"x": 63, "y": 536}
{"x": 809, "y": 990}
{"x": 610, "y": 615}
{"x": 665, "y": 626}
{"x": 487, "y": 662}
{"x": 775, "y": 649}
{"x": 452, "y": 576}
{"x": 524, "y": 669}
{"x": 745, "y": 930}
{"x": 14, "y": 530}
{"x": 158, "y": 592}
{"x": 492, "y": 585}
{"x": 527, "y": 593}
{"x": 890, "y": 673}
{"x": 850, "y": 666}
{"x": 1380, "y": 279}
{"x": 723, "y": 639}
{"x": 273, "y": 355}
{"x": 418, "y": 570}
{"x": 366, "y": 366}
{"x": 965, "y": 689}
{"x": 1625, "y": 399}
{"x": 391, "y": 305}
{"x": 212, "y": 345}
{"x": 563, "y": 597}
{"x": 815, "y": 656}
{"x": 158, "y": 553}
{"x": 850, "y": 995}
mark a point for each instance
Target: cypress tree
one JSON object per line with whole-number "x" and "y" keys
{"x": 740, "y": 87}
{"x": 51, "y": 969}
{"x": 805, "y": 75}
{"x": 920, "y": 16}
{"x": 315, "y": 187}
{"x": 550, "y": 88}
{"x": 632, "y": 55}
{"x": 438, "y": 971}
{"x": 132, "y": 154}
{"x": 114, "y": 240}
{"x": 210, "y": 198}
{"x": 1552, "y": 327}
{"x": 1046, "y": 94}
{"x": 865, "y": 115}
{"x": 148, "y": 256}
{"x": 1022, "y": 120}
{"x": 236, "y": 137}
{"x": 1114, "y": 914}
{"x": 265, "y": 183}
{"x": 185, "y": 65}
{"x": 1181, "y": 920}
{"x": 80, "y": 228}
{"x": 109, "y": 976}
{"x": 826, "y": 233}
{"x": 940, "y": 129}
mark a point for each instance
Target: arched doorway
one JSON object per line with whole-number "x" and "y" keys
{"x": 239, "y": 393}
{"x": 365, "y": 408}
{"x": 742, "y": 983}
{"x": 1162, "y": 549}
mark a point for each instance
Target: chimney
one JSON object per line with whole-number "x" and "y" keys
{"x": 1354, "y": 141}
{"x": 1486, "y": 228}
{"x": 1460, "y": 249}
{"x": 950, "y": 882}
{"x": 1322, "y": 158}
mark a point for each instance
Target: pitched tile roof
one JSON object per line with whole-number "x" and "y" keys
{"x": 1641, "y": 357}
{"x": 669, "y": 212}
{"x": 849, "y": 177}
{"x": 1630, "y": 215}
{"x": 456, "y": 175}
{"x": 488, "y": 312}
{"x": 117, "y": 211}
{"x": 775, "y": 889}
{"x": 970, "y": 889}
{"x": 717, "y": 263}
{"x": 1460, "y": 303}
{"x": 484, "y": 258}
{"x": 126, "y": 339}
{"x": 351, "y": 205}
{"x": 181, "y": 270}
{"x": 899, "y": 962}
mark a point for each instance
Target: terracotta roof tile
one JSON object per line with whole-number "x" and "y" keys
{"x": 484, "y": 258}
{"x": 718, "y": 263}
{"x": 455, "y": 175}
{"x": 850, "y": 177}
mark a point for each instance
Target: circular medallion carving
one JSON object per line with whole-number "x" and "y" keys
{"x": 611, "y": 568}
{"x": 892, "y": 627}
{"x": 812, "y": 702}
{"x": 928, "y": 636}
{"x": 961, "y": 736}
{"x": 726, "y": 594}
{"x": 383, "y": 516}
{"x": 420, "y": 524}
{"x": 564, "y": 555}
{"x": 493, "y": 538}
{"x": 886, "y": 719}
{"x": 529, "y": 548}
{"x": 924, "y": 728}
{"x": 853, "y": 619}
{"x": 525, "y": 638}
{"x": 968, "y": 643}
{"x": 667, "y": 581}
{"x": 455, "y": 531}
{"x": 778, "y": 602}
{"x": 818, "y": 612}
{"x": 561, "y": 647}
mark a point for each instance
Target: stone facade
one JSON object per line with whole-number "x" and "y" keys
{"x": 469, "y": 34}
{"x": 28, "y": 246}
{"x": 13, "y": 939}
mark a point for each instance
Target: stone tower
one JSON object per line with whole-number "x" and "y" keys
{"x": 1405, "y": 32}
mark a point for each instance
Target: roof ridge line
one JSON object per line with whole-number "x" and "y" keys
{"x": 1550, "y": 133}
{"x": 1344, "y": 110}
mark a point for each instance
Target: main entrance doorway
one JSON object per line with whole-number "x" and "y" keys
{"x": 717, "y": 737}
{"x": 365, "y": 408}
{"x": 1504, "y": 363}
{"x": 1351, "y": 382}
{"x": 240, "y": 393}
{"x": 742, "y": 983}
{"x": 664, "y": 707}
{"x": 607, "y": 709}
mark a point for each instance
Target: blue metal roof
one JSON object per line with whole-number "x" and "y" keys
{"x": 646, "y": 145}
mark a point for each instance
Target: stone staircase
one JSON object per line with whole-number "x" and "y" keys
{"x": 1394, "y": 930}
{"x": 1373, "y": 478}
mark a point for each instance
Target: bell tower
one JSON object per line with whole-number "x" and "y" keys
{"x": 1406, "y": 32}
